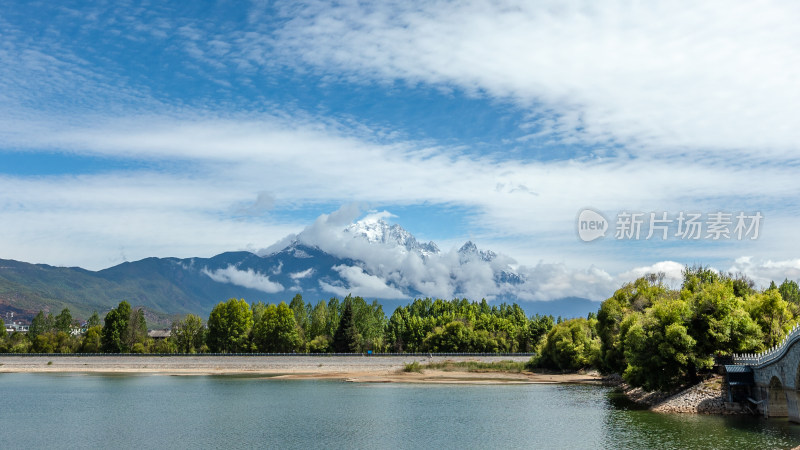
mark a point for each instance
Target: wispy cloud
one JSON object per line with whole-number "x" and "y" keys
{"x": 252, "y": 159}
{"x": 302, "y": 274}
{"x": 658, "y": 76}
{"x": 245, "y": 278}
{"x": 763, "y": 271}
{"x": 362, "y": 284}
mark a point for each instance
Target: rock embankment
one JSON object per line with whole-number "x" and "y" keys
{"x": 706, "y": 397}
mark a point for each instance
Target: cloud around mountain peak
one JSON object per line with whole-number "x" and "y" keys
{"x": 340, "y": 254}
{"x": 389, "y": 262}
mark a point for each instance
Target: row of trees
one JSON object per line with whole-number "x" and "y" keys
{"x": 348, "y": 326}
{"x": 124, "y": 331}
{"x": 355, "y": 326}
{"x": 460, "y": 326}
{"x": 662, "y": 338}
{"x": 351, "y": 325}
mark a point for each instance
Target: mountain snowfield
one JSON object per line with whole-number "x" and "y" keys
{"x": 376, "y": 259}
{"x": 376, "y": 230}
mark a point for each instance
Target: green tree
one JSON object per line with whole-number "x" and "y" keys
{"x": 536, "y": 330}
{"x": 54, "y": 342}
{"x": 320, "y": 344}
{"x": 370, "y": 322}
{"x": 165, "y": 346}
{"x": 91, "y": 340}
{"x": 137, "y": 330}
{"x": 742, "y": 286}
{"x": 318, "y": 324}
{"x": 114, "y": 336}
{"x": 695, "y": 277}
{"x": 334, "y": 315}
{"x": 456, "y": 336}
{"x": 659, "y": 350}
{"x": 719, "y": 322}
{"x": 298, "y": 307}
{"x": 94, "y": 320}
{"x": 188, "y": 334}
{"x": 229, "y": 326}
{"x": 632, "y": 298}
{"x": 43, "y": 343}
{"x": 3, "y": 337}
{"x": 42, "y": 323}
{"x": 772, "y": 314}
{"x": 19, "y": 343}
{"x": 396, "y": 330}
{"x": 258, "y": 309}
{"x": 571, "y": 345}
{"x": 277, "y": 332}
{"x": 65, "y": 342}
{"x": 63, "y": 321}
{"x": 790, "y": 291}
{"x": 346, "y": 338}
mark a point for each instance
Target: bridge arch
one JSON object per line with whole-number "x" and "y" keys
{"x": 797, "y": 377}
{"x": 778, "y": 406}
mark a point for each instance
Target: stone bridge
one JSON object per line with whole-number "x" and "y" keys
{"x": 775, "y": 388}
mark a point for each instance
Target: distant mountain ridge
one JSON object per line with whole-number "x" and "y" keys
{"x": 378, "y": 231}
{"x": 390, "y": 258}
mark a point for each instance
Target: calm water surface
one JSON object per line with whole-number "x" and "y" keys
{"x": 156, "y": 411}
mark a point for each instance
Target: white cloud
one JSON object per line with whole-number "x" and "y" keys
{"x": 449, "y": 275}
{"x": 709, "y": 76}
{"x": 245, "y": 278}
{"x": 263, "y": 203}
{"x": 673, "y": 273}
{"x": 92, "y": 220}
{"x": 161, "y": 213}
{"x": 392, "y": 272}
{"x": 548, "y": 281}
{"x": 302, "y": 274}
{"x": 762, "y": 271}
{"x": 361, "y": 284}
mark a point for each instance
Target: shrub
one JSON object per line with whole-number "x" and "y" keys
{"x": 413, "y": 367}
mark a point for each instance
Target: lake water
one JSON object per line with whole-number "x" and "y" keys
{"x": 157, "y": 411}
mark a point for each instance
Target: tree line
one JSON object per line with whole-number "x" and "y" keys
{"x": 661, "y": 338}
{"x": 124, "y": 331}
{"x": 351, "y": 325}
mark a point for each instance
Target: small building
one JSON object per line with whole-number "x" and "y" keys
{"x": 740, "y": 382}
{"x": 17, "y": 327}
{"x": 159, "y": 334}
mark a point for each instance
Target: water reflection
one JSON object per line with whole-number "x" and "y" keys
{"x": 630, "y": 426}
{"x": 243, "y": 412}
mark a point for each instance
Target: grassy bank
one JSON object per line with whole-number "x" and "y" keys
{"x": 467, "y": 366}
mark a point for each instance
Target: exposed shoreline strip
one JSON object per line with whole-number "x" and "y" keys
{"x": 367, "y": 369}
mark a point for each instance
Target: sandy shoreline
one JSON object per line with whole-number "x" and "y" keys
{"x": 368, "y": 369}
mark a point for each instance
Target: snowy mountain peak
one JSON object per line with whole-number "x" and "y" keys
{"x": 378, "y": 231}
{"x": 469, "y": 250}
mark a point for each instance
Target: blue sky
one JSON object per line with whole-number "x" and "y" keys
{"x": 136, "y": 129}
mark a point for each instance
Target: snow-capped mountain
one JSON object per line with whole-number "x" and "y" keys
{"x": 386, "y": 261}
{"x": 469, "y": 251}
{"x": 369, "y": 258}
{"x": 378, "y": 231}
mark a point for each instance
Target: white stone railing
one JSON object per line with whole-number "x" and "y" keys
{"x": 770, "y": 355}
